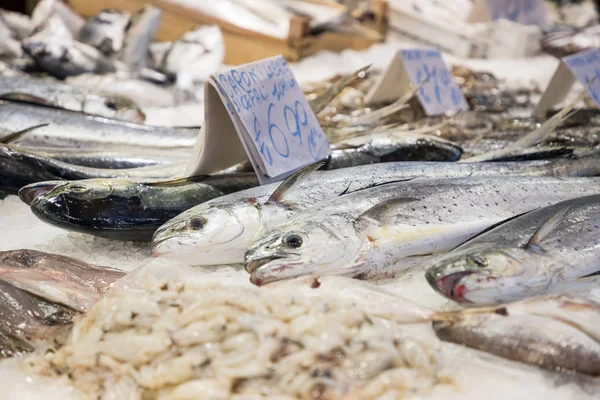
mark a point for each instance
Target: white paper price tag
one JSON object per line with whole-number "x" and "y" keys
{"x": 267, "y": 109}
{"x": 582, "y": 67}
{"x": 526, "y": 12}
{"x": 419, "y": 67}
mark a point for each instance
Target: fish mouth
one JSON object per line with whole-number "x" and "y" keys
{"x": 253, "y": 265}
{"x": 450, "y": 286}
{"x": 29, "y": 193}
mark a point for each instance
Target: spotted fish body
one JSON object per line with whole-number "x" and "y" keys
{"x": 362, "y": 234}
{"x": 220, "y": 230}
{"x": 527, "y": 256}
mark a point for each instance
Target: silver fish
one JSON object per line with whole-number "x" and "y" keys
{"x": 93, "y": 102}
{"x": 363, "y": 234}
{"x": 71, "y": 129}
{"x": 19, "y": 24}
{"x": 106, "y": 30}
{"x": 144, "y": 25}
{"x": 112, "y": 159}
{"x": 558, "y": 333}
{"x": 523, "y": 257}
{"x": 220, "y": 230}
{"x": 20, "y": 168}
{"x": 45, "y": 9}
{"x": 63, "y": 58}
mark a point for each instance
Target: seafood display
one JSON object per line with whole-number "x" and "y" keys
{"x": 174, "y": 230}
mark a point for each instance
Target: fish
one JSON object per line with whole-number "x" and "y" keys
{"x": 197, "y": 54}
{"x": 220, "y": 230}
{"x": 141, "y": 92}
{"x": 46, "y": 9}
{"x": 63, "y": 58}
{"x": 365, "y": 233}
{"x": 19, "y": 24}
{"x": 124, "y": 209}
{"x": 558, "y": 333}
{"x": 320, "y": 102}
{"x": 46, "y": 93}
{"x": 110, "y": 159}
{"x": 59, "y": 279}
{"x": 141, "y": 30}
{"x": 387, "y": 147}
{"x": 523, "y": 257}
{"x": 28, "y": 321}
{"x": 20, "y": 168}
{"x": 106, "y": 30}
{"x": 7, "y": 70}
{"x": 71, "y": 129}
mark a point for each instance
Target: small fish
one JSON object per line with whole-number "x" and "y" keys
{"x": 106, "y": 30}
{"x": 220, "y": 230}
{"x": 378, "y": 231}
{"x": 124, "y": 209}
{"x": 523, "y": 257}
{"x": 19, "y": 24}
{"x": 94, "y": 102}
{"x": 558, "y": 333}
{"x": 20, "y": 168}
{"x": 71, "y": 129}
{"x": 63, "y": 58}
{"x": 144, "y": 25}
{"x": 59, "y": 279}
{"x": 45, "y": 9}
{"x": 111, "y": 159}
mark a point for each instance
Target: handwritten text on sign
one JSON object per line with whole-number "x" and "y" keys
{"x": 585, "y": 66}
{"x": 439, "y": 93}
{"x": 526, "y": 12}
{"x": 275, "y": 113}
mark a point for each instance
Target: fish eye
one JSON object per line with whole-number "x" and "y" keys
{"x": 293, "y": 241}
{"x": 197, "y": 223}
{"x": 478, "y": 261}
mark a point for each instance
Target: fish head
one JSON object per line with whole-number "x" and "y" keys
{"x": 53, "y": 55}
{"x": 305, "y": 247}
{"x": 489, "y": 277}
{"x": 215, "y": 232}
{"x": 32, "y": 191}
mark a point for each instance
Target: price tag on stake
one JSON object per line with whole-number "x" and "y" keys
{"x": 423, "y": 68}
{"x": 582, "y": 67}
{"x": 265, "y": 106}
{"x": 526, "y": 12}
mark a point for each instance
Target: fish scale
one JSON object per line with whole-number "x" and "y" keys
{"x": 370, "y": 235}
{"x": 229, "y": 223}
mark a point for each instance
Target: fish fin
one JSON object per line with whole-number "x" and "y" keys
{"x": 374, "y": 185}
{"x": 538, "y": 154}
{"x": 547, "y": 227}
{"x": 19, "y": 134}
{"x": 491, "y": 227}
{"x": 178, "y": 182}
{"x": 383, "y": 212}
{"x": 291, "y": 181}
{"x": 26, "y": 98}
{"x": 321, "y": 101}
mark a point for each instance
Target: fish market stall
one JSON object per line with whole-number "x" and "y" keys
{"x": 189, "y": 215}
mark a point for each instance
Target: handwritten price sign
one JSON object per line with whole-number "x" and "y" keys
{"x": 526, "y": 12}
{"x": 438, "y": 93}
{"x": 585, "y": 66}
{"x": 272, "y": 116}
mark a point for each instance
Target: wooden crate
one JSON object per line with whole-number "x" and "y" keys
{"x": 244, "y": 46}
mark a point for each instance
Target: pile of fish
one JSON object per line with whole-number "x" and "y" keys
{"x": 107, "y": 66}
